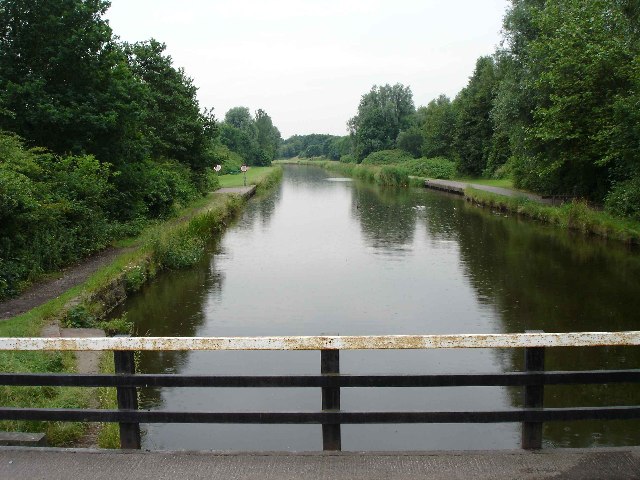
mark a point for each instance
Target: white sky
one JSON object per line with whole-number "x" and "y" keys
{"x": 308, "y": 62}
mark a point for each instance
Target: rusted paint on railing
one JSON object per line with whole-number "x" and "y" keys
{"x": 368, "y": 342}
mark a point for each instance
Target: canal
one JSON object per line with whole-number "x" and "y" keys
{"x": 325, "y": 255}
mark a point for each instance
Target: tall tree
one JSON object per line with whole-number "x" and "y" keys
{"x": 65, "y": 83}
{"x": 571, "y": 93}
{"x": 173, "y": 124}
{"x": 474, "y": 125}
{"x": 268, "y": 137}
{"x": 382, "y": 114}
{"x": 437, "y": 121}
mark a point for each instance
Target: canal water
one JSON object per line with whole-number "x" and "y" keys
{"x": 325, "y": 255}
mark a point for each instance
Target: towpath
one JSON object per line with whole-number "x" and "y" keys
{"x": 39, "y": 463}
{"x": 459, "y": 188}
{"x": 79, "y": 273}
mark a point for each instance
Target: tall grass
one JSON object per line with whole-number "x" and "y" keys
{"x": 574, "y": 216}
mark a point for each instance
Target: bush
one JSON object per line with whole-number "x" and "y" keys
{"x": 387, "y": 157}
{"x": 438, "y": 167}
{"x": 624, "y": 199}
{"x": 348, "y": 159}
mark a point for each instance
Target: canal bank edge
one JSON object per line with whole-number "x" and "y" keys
{"x": 177, "y": 243}
{"x": 575, "y": 215}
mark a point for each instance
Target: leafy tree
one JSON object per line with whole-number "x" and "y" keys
{"x": 268, "y": 137}
{"x": 411, "y": 140}
{"x": 571, "y": 94}
{"x": 337, "y": 147}
{"x": 65, "y": 83}
{"x": 474, "y": 125}
{"x": 314, "y": 150}
{"x": 382, "y": 114}
{"x": 254, "y": 139}
{"x": 173, "y": 124}
{"x": 437, "y": 122}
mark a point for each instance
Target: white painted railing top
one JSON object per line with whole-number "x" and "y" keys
{"x": 370, "y": 342}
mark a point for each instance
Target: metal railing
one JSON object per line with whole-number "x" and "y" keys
{"x": 330, "y": 381}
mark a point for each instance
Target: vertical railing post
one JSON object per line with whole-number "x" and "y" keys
{"x": 127, "y": 399}
{"x": 533, "y": 396}
{"x": 330, "y": 365}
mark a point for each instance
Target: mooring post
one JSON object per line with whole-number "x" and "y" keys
{"x": 127, "y": 398}
{"x": 533, "y": 396}
{"x": 330, "y": 364}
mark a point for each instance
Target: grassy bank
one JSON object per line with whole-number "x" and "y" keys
{"x": 174, "y": 244}
{"x": 574, "y": 216}
{"x": 263, "y": 177}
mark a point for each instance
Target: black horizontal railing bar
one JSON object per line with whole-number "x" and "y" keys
{"x": 326, "y": 380}
{"x": 322, "y": 417}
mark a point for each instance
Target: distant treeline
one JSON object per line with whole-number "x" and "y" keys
{"x": 97, "y": 136}
{"x": 556, "y": 107}
{"x": 315, "y": 145}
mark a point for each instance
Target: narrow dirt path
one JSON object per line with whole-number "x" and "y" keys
{"x": 70, "y": 277}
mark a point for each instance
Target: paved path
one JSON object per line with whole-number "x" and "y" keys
{"x": 244, "y": 191}
{"x": 598, "y": 464}
{"x": 459, "y": 187}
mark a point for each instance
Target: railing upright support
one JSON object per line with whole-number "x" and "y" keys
{"x": 533, "y": 397}
{"x": 331, "y": 435}
{"x": 127, "y": 400}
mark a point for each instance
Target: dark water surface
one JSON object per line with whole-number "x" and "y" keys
{"x": 324, "y": 256}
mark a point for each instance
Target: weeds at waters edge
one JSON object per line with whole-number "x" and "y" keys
{"x": 574, "y": 216}
{"x": 89, "y": 303}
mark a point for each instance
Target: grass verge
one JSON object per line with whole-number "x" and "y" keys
{"x": 176, "y": 243}
{"x": 574, "y": 216}
{"x": 255, "y": 176}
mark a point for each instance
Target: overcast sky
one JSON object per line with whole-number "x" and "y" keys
{"x": 308, "y": 62}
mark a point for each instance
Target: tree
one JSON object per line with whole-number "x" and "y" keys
{"x": 437, "y": 122}
{"x": 382, "y": 114}
{"x": 65, "y": 83}
{"x": 174, "y": 127}
{"x": 474, "y": 125}
{"x": 268, "y": 137}
{"x": 411, "y": 140}
{"x": 571, "y": 94}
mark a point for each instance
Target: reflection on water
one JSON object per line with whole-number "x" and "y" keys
{"x": 317, "y": 256}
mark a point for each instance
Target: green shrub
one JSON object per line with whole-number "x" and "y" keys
{"x": 438, "y": 167}
{"x": 387, "y": 157}
{"x": 116, "y": 326}
{"x": 348, "y": 159}
{"x": 79, "y": 317}
{"x": 624, "y": 199}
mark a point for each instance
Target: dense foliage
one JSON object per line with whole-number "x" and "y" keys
{"x": 382, "y": 114}
{"x": 556, "y": 107}
{"x": 255, "y": 139}
{"x": 98, "y": 136}
{"x": 315, "y": 145}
